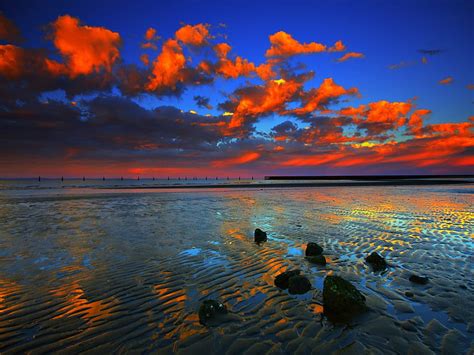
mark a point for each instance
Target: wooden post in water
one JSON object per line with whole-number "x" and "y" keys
{"x": 103, "y": 178}
{"x": 138, "y": 177}
{"x": 62, "y": 178}
{"x": 83, "y": 178}
{"x": 39, "y": 178}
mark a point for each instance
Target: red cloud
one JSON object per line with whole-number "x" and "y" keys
{"x": 283, "y": 45}
{"x": 446, "y": 81}
{"x": 167, "y": 67}
{"x": 85, "y": 49}
{"x": 193, "y": 35}
{"x": 239, "y": 160}
{"x": 150, "y": 34}
{"x": 11, "y": 61}
{"x": 317, "y": 99}
{"x": 350, "y": 55}
{"x": 8, "y": 31}
{"x": 264, "y": 100}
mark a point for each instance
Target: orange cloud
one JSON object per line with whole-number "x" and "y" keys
{"x": 267, "y": 99}
{"x": 150, "y": 34}
{"x": 283, "y": 45}
{"x": 86, "y": 49}
{"x": 8, "y": 31}
{"x": 317, "y": 99}
{"x": 338, "y": 47}
{"x": 242, "y": 159}
{"x": 167, "y": 67}
{"x": 350, "y": 55}
{"x": 145, "y": 59}
{"x": 470, "y": 86}
{"x": 11, "y": 61}
{"x": 193, "y": 35}
{"x": 149, "y": 45}
{"x": 416, "y": 120}
{"x": 314, "y": 160}
{"x": 222, "y": 49}
{"x": 381, "y": 116}
{"x": 446, "y": 81}
{"x": 226, "y": 67}
{"x": 233, "y": 69}
{"x": 265, "y": 71}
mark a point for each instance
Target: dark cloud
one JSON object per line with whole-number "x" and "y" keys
{"x": 202, "y": 101}
{"x": 430, "y": 51}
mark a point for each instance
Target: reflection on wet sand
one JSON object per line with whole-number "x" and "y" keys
{"x": 128, "y": 272}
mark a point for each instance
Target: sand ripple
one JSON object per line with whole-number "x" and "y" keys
{"x": 127, "y": 273}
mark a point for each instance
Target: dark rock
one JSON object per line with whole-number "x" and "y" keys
{"x": 317, "y": 259}
{"x": 313, "y": 249}
{"x": 260, "y": 236}
{"x": 341, "y": 299}
{"x": 210, "y": 309}
{"x": 377, "y": 262}
{"x": 418, "y": 279}
{"x": 283, "y": 280}
{"x": 409, "y": 294}
{"x": 299, "y": 284}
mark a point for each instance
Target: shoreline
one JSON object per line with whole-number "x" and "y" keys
{"x": 292, "y": 185}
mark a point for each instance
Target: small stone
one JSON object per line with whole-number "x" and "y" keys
{"x": 317, "y": 259}
{"x": 210, "y": 309}
{"x": 377, "y": 262}
{"x": 313, "y": 249}
{"x": 299, "y": 284}
{"x": 418, "y": 279}
{"x": 341, "y": 299}
{"x": 260, "y": 236}
{"x": 283, "y": 280}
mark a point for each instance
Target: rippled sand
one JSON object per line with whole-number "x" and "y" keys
{"x": 127, "y": 272}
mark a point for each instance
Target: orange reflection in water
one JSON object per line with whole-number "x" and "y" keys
{"x": 78, "y": 304}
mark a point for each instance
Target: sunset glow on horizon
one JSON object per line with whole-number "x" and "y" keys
{"x": 84, "y": 94}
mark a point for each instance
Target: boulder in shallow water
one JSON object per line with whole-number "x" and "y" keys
{"x": 209, "y": 310}
{"x": 317, "y": 259}
{"x": 377, "y": 262}
{"x": 341, "y": 299}
{"x": 260, "y": 236}
{"x": 313, "y": 249}
{"x": 283, "y": 280}
{"x": 421, "y": 280}
{"x": 298, "y": 285}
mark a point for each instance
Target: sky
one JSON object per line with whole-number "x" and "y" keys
{"x": 204, "y": 88}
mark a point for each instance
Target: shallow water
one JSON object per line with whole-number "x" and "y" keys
{"x": 99, "y": 272}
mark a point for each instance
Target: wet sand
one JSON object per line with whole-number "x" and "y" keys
{"x": 127, "y": 272}
{"x": 301, "y": 184}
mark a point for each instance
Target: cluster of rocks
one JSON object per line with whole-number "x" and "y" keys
{"x": 341, "y": 299}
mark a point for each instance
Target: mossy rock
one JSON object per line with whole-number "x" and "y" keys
{"x": 317, "y": 259}
{"x": 313, "y": 249}
{"x": 260, "y": 236}
{"x": 209, "y": 310}
{"x": 298, "y": 285}
{"x": 283, "y": 280}
{"x": 377, "y": 262}
{"x": 421, "y": 280}
{"x": 341, "y": 299}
